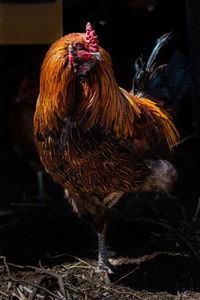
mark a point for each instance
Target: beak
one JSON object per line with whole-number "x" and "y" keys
{"x": 97, "y": 55}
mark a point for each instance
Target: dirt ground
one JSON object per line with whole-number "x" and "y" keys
{"x": 47, "y": 252}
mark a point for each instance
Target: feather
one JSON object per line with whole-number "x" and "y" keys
{"x": 167, "y": 82}
{"x": 159, "y": 44}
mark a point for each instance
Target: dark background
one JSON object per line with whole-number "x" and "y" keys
{"x": 30, "y": 229}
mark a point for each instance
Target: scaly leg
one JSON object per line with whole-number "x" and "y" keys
{"x": 103, "y": 263}
{"x": 103, "y": 259}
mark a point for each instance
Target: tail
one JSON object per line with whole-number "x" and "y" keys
{"x": 167, "y": 82}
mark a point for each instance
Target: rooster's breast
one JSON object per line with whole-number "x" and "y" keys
{"x": 88, "y": 161}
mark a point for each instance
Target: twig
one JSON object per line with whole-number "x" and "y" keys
{"x": 4, "y": 294}
{"x": 21, "y": 267}
{"x": 126, "y": 275}
{"x": 179, "y": 295}
{"x": 78, "y": 266}
{"x": 71, "y": 287}
{"x": 34, "y": 292}
{"x": 60, "y": 255}
{"x": 49, "y": 273}
{"x": 144, "y": 258}
{"x": 26, "y": 281}
{"x": 55, "y": 275}
{"x": 123, "y": 292}
{"x": 85, "y": 262}
{"x": 72, "y": 256}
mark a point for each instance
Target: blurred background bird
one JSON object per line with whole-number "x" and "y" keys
{"x": 96, "y": 139}
{"x": 21, "y": 112}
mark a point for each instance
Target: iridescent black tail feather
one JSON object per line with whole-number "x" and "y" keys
{"x": 166, "y": 82}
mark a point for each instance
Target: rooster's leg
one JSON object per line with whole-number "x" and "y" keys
{"x": 103, "y": 263}
{"x": 103, "y": 259}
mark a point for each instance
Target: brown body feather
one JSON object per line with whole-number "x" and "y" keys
{"x": 93, "y": 137}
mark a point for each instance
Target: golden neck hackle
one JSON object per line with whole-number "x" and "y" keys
{"x": 102, "y": 101}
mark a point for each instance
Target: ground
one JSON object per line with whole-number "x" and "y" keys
{"x": 46, "y": 251}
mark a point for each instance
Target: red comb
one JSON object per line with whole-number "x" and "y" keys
{"x": 91, "y": 38}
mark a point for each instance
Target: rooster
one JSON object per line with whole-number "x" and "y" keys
{"x": 21, "y": 112}
{"x": 94, "y": 138}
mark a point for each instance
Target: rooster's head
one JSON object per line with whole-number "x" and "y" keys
{"x": 84, "y": 52}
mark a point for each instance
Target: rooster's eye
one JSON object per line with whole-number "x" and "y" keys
{"x": 78, "y": 46}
